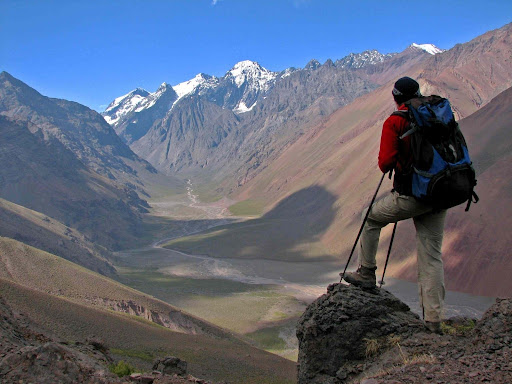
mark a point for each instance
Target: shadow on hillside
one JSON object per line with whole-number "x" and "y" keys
{"x": 287, "y": 232}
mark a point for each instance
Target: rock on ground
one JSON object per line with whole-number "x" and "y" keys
{"x": 341, "y": 329}
{"x": 350, "y": 335}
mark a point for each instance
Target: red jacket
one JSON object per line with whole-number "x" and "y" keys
{"x": 395, "y": 153}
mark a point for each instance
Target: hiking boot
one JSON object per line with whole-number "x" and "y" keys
{"x": 364, "y": 277}
{"x": 434, "y": 327}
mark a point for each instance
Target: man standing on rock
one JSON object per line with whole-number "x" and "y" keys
{"x": 395, "y": 154}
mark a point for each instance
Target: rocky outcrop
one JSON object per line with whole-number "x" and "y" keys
{"x": 337, "y": 331}
{"x": 171, "y": 366}
{"x": 53, "y": 363}
{"x": 350, "y": 335}
{"x": 174, "y": 319}
{"x": 28, "y": 356}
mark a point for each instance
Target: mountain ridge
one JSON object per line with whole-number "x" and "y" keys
{"x": 248, "y": 70}
{"x": 63, "y": 160}
{"x": 339, "y": 156}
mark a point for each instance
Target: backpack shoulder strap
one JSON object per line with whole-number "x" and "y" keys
{"x": 405, "y": 115}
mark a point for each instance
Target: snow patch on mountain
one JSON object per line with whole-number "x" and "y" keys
{"x": 360, "y": 60}
{"x": 149, "y": 101}
{"x": 242, "y": 108}
{"x": 288, "y": 71}
{"x": 429, "y": 48}
{"x": 200, "y": 81}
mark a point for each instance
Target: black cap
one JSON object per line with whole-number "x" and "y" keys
{"x": 405, "y": 89}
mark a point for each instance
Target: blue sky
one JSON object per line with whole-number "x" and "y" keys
{"x": 94, "y": 51}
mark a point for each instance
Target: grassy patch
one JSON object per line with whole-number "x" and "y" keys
{"x": 279, "y": 339}
{"x": 268, "y": 339}
{"x": 458, "y": 328}
{"x": 229, "y": 304}
{"x": 372, "y": 347}
{"x": 247, "y": 208}
{"x": 261, "y": 238}
{"x": 121, "y": 369}
{"x": 174, "y": 288}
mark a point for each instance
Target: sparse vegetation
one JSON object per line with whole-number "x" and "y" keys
{"x": 217, "y": 300}
{"x": 425, "y": 358}
{"x": 121, "y": 369}
{"x": 135, "y": 342}
{"x": 459, "y": 329}
{"x": 268, "y": 339}
{"x": 247, "y": 208}
{"x": 372, "y": 347}
{"x": 262, "y": 238}
{"x": 393, "y": 340}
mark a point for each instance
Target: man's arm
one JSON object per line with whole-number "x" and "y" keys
{"x": 389, "y": 143}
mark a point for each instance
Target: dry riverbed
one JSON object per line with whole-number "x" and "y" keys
{"x": 261, "y": 299}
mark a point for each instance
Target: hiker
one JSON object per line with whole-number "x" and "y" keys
{"x": 395, "y": 155}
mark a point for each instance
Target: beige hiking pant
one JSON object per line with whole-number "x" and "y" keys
{"x": 429, "y": 237}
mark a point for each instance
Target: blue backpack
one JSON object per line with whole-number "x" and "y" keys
{"x": 442, "y": 172}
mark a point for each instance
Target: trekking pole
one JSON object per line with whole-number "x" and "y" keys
{"x": 387, "y": 257}
{"x": 362, "y": 226}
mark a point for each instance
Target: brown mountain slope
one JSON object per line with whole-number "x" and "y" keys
{"x": 48, "y": 234}
{"x": 79, "y": 129}
{"x": 340, "y": 156}
{"x": 471, "y": 74}
{"x": 62, "y": 159}
{"x": 392, "y": 68}
{"x": 45, "y": 176}
{"x": 51, "y": 274}
{"x": 451, "y": 74}
{"x": 207, "y": 357}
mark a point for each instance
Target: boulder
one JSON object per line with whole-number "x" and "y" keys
{"x": 171, "y": 366}
{"x": 341, "y": 330}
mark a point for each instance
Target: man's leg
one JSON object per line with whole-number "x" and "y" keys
{"x": 390, "y": 209}
{"x": 429, "y": 237}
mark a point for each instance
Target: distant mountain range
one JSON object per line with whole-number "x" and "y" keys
{"x": 337, "y": 155}
{"x": 219, "y": 126}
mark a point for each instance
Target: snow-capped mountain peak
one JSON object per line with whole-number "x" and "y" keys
{"x": 288, "y": 71}
{"x": 245, "y": 66}
{"x": 429, "y": 48}
{"x": 133, "y": 98}
{"x": 124, "y": 104}
{"x": 152, "y": 98}
{"x": 360, "y": 60}
{"x": 252, "y": 73}
{"x": 190, "y": 86}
